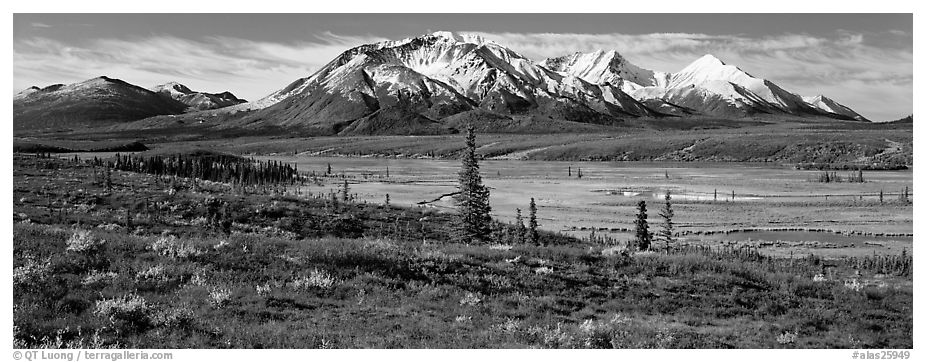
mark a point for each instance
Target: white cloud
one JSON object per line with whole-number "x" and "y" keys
{"x": 39, "y": 25}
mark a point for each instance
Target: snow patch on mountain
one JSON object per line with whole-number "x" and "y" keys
{"x": 828, "y": 105}
{"x": 196, "y": 100}
{"x": 607, "y": 67}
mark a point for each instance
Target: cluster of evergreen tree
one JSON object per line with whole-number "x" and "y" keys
{"x": 219, "y": 168}
{"x": 643, "y": 237}
{"x": 832, "y": 176}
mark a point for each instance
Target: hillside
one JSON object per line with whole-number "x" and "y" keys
{"x": 95, "y": 102}
{"x": 195, "y": 100}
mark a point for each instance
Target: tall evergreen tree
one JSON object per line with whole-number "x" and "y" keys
{"x": 668, "y": 227}
{"x": 532, "y": 236}
{"x": 345, "y": 192}
{"x": 643, "y": 236}
{"x": 473, "y": 199}
{"x": 519, "y": 227}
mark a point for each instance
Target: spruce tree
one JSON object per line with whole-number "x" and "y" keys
{"x": 519, "y": 227}
{"x": 345, "y": 192}
{"x": 532, "y": 236}
{"x": 643, "y": 236}
{"x": 667, "y": 226}
{"x": 108, "y": 181}
{"x": 473, "y": 198}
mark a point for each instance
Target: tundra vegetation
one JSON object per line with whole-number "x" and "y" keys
{"x": 122, "y": 256}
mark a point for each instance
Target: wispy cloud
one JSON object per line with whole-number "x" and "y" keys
{"x": 871, "y": 73}
{"x": 39, "y": 25}
{"x": 250, "y": 69}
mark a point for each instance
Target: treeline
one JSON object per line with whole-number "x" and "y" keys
{"x": 828, "y": 177}
{"x": 884, "y": 166}
{"x": 211, "y": 167}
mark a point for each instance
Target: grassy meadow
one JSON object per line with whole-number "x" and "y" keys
{"x": 133, "y": 260}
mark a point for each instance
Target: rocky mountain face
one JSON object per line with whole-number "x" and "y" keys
{"x": 197, "y": 100}
{"x": 97, "y": 101}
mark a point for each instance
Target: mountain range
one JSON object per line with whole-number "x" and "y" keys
{"x": 197, "y": 100}
{"x": 421, "y": 85}
{"x": 94, "y": 102}
{"x": 103, "y": 100}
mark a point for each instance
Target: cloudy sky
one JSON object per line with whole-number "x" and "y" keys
{"x": 861, "y": 60}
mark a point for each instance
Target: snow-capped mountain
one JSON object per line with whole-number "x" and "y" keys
{"x": 601, "y": 67}
{"x": 828, "y": 105}
{"x": 707, "y": 85}
{"x": 438, "y": 75}
{"x": 427, "y": 84}
{"x": 443, "y": 73}
{"x": 96, "y": 101}
{"x": 197, "y": 100}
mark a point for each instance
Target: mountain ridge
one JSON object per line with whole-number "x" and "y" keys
{"x": 196, "y": 100}
{"x": 428, "y": 78}
{"x": 598, "y": 87}
{"x": 96, "y": 101}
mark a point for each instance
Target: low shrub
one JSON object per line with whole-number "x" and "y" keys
{"x": 98, "y": 278}
{"x": 129, "y": 310}
{"x": 219, "y": 297}
{"x": 317, "y": 279}
{"x": 172, "y": 247}
{"x": 83, "y": 241}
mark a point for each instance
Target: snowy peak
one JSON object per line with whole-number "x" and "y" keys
{"x": 460, "y": 37}
{"x": 609, "y": 66}
{"x": 828, "y": 105}
{"x": 597, "y": 67}
{"x": 739, "y": 88}
{"x": 709, "y": 68}
{"x": 196, "y": 100}
{"x": 709, "y": 60}
{"x": 172, "y": 87}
